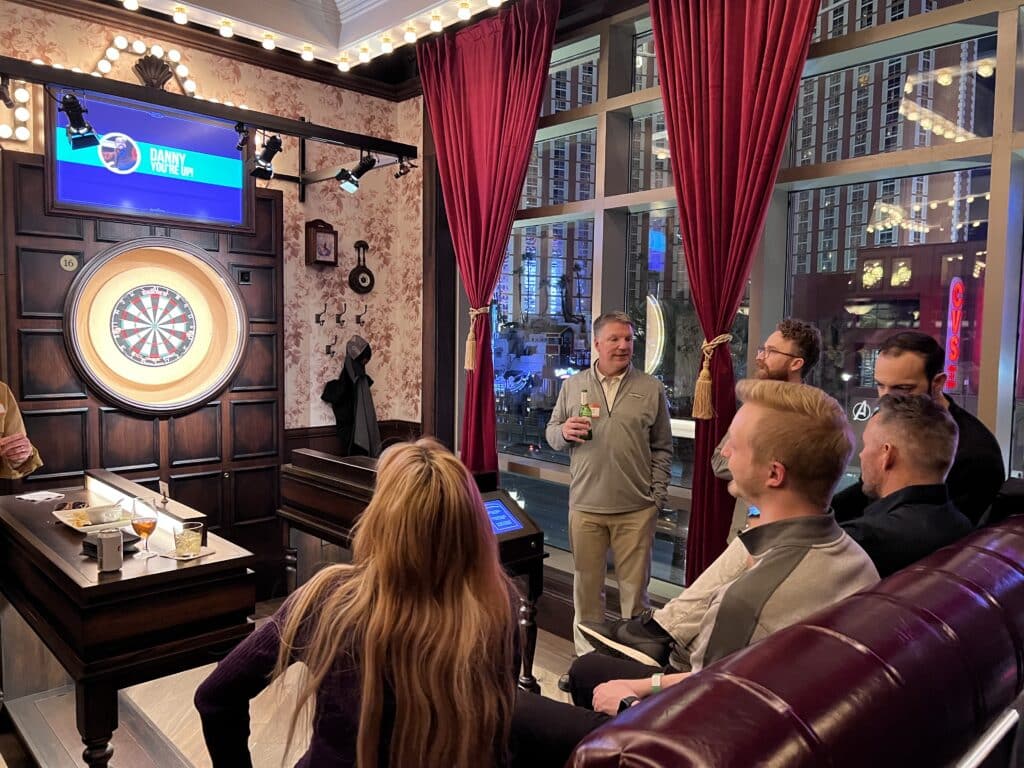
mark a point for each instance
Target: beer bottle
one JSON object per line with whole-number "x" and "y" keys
{"x": 585, "y": 412}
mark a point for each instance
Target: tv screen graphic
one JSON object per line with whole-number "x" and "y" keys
{"x": 502, "y": 518}
{"x": 149, "y": 162}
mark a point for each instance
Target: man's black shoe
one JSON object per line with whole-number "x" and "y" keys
{"x": 563, "y": 683}
{"x": 641, "y": 639}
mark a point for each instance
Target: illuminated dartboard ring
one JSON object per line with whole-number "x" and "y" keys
{"x": 153, "y": 325}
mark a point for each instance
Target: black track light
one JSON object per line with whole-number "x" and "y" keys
{"x": 243, "y": 136}
{"x": 5, "y": 91}
{"x": 263, "y": 165}
{"x": 404, "y": 166}
{"x": 349, "y": 180}
{"x": 80, "y": 134}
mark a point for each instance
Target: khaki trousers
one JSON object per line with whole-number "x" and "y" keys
{"x": 630, "y": 536}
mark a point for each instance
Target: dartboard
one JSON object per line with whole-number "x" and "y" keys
{"x": 153, "y": 325}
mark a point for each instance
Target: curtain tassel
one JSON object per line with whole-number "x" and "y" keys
{"x": 470, "y": 363}
{"x": 702, "y": 408}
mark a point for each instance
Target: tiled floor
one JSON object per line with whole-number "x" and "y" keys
{"x": 168, "y": 703}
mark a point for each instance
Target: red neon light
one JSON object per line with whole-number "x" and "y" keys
{"x": 954, "y": 324}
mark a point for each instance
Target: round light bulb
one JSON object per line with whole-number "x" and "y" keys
{"x": 60, "y": 66}
{"x": 343, "y": 63}
{"x": 21, "y": 94}
{"x": 436, "y": 25}
{"x": 103, "y": 66}
{"x": 949, "y": 134}
{"x": 38, "y": 61}
{"x": 960, "y": 138}
{"x": 139, "y": 47}
{"x": 494, "y": 3}
{"x": 243, "y": 106}
{"x": 933, "y": 206}
{"x": 157, "y": 51}
{"x": 181, "y": 70}
{"x": 131, "y": 5}
{"x": 986, "y": 69}
{"x": 410, "y": 34}
{"x": 21, "y": 114}
{"x": 970, "y": 199}
{"x": 213, "y": 101}
{"x": 944, "y": 78}
{"x": 926, "y": 123}
{"x": 229, "y": 103}
{"x": 179, "y": 15}
{"x": 464, "y": 12}
{"x": 227, "y": 29}
{"x": 76, "y": 69}
{"x": 268, "y": 42}
{"x": 21, "y": 133}
{"x": 913, "y": 115}
{"x": 6, "y": 131}
{"x": 386, "y": 46}
{"x": 120, "y": 42}
{"x": 113, "y": 54}
{"x": 988, "y": 196}
{"x": 174, "y": 56}
{"x": 307, "y": 53}
{"x": 189, "y": 86}
{"x": 364, "y": 54}
{"x": 96, "y": 74}
{"x": 951, "y": 203}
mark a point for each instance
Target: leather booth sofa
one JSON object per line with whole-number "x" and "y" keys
{"x": 909, "y": 673}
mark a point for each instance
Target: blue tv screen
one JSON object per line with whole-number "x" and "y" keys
{"x": 151, "y": 162}
{"x": 502, "y": 518}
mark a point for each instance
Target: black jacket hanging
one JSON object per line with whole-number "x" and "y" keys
{"x": 350, "y": 397}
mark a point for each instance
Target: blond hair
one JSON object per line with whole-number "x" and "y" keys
{"x": 426, "y": 611}
{"x": 805, "y": 430}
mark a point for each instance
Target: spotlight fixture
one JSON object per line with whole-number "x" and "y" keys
{"x": 404, "y": 166}
{"x": 80, "y": 134}
{"x": 5, "y": 92}
{"x": 349, "y": 180}
{"x": 243, "y": 136}
{"x": 263, "y": 164}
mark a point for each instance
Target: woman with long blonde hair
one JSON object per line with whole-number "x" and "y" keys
{"x": 409, "y": 650}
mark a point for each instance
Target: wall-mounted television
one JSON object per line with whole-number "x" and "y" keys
{"x": 147, "y": 163}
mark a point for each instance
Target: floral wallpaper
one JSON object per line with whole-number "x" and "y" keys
{"x": 386, "y": 212}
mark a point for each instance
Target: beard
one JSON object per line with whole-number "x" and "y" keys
{"x": 763, "y": 372}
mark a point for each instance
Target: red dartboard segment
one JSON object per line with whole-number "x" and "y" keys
{"x": 153, "y": 325}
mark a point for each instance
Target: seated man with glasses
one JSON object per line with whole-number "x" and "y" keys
{"x": 911, "y": 363}
{"x": 18, "y": 457}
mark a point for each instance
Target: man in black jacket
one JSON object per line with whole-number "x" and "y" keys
{"x": 908, "y": 448}
{"x": 911, "y": 363}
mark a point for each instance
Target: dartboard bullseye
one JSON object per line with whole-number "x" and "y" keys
{"x": 153, "y": 325}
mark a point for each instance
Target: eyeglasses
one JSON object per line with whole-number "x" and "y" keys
{"x": 66, "y": 505}
{"x": 765, "y": 351}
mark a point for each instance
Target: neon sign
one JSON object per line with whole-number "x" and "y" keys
{"x": 954, "y": 323}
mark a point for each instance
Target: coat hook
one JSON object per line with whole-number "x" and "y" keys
{"x": 360, "y": 316}
{"x": 329, "y": 349}
{"x": 319, "y": 319}
{"x": 337, "y": 315}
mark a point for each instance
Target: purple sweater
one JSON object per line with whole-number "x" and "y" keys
{"x": 223, "y": 704}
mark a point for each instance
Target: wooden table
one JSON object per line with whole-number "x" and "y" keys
{"x": 152, "y": 618}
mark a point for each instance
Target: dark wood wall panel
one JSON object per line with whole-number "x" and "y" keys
{"x": 42, "y": 284}
{"x": 223, "y": 458}
{"x": 253, "y": 428}
{"x": 29, "y": 207}
{"x": 202, "y": 491}
{"x": 259, "y": 293}
{"x": 46, "y": 371}
{"x": 128, "y": 442}
{"x": 209, "y": 241}
{"x": 61, "y": 437}
{"x": 251, "y": 486}
{"x": 259, "y": 369}
{"x": 115, "y": 231}
{"x": 195, "y": 437}
{"x": 264, "y": 241}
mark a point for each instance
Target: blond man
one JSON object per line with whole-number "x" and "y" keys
{"x": 18, "y": 457}
{"x": 788, "y": 445}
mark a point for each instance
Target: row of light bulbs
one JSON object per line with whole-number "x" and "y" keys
{"x": 434, "y": 21}
{"x": 934, "y": 122}
{"x": 944, "y": 76}
{"x": 22, "y": 114}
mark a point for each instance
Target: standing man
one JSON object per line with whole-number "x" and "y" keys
{"x": 18, "y": 457}
{"x": 911, "y": 363}
{"x": 619, "y": 475}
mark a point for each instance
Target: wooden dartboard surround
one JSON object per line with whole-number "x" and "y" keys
{"x": 221, "y": 452}
{"x": 155, "y": 326}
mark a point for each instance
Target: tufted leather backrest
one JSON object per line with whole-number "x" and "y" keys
{"x": 907, "y": 673}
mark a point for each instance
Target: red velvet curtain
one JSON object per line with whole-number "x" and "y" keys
{"x": 483, "y": 87}
{"x": 730, "y": 72}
